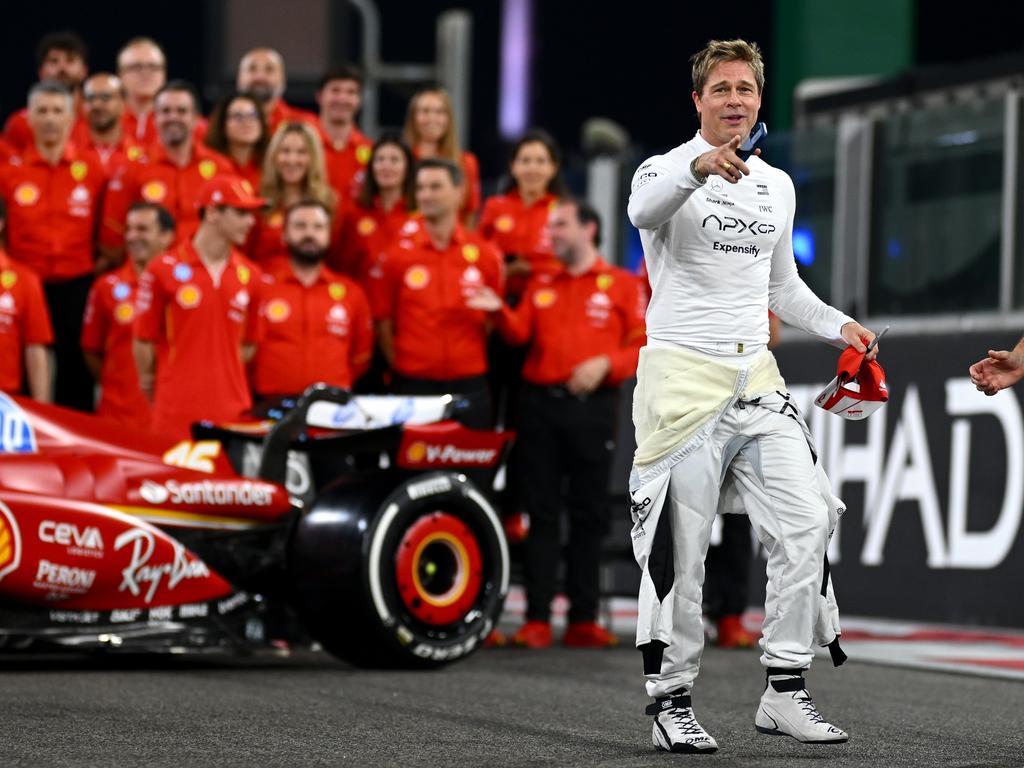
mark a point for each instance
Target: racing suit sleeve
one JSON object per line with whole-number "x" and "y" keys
{"x": 788, "y": 295}
{"x": 660, "y": 187}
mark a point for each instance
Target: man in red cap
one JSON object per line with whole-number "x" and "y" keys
{"x": 197, "y": 322}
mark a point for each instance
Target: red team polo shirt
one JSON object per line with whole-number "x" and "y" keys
{"x": 423, "y": 290}
{"x": 346, "y": 166}
{"x": 107, "y": 330}
{"x": 154, "y": 178}
{"x": 568, "y": 319}
{"x": 199, "y": 325}
{"x": 521, "y": 229}
{"x": 321, "y": 333}
{"x": 24, "y": 320}
{"x": 52, "y": 211}
{"x": 365, "y": 234}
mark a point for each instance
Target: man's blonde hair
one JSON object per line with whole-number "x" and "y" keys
{"x": 719, "y": 51}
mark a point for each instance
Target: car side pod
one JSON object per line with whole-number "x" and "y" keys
{"x": 406, "y": 574}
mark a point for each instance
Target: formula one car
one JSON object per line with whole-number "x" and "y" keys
{"x": 340, "y": 519}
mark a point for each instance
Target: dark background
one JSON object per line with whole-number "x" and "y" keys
{"x": 589, "y": 59}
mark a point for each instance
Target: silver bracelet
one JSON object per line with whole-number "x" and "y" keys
{"x": 693, "y": 170}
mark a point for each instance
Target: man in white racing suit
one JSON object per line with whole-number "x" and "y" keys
{"x": 715, "y": 428}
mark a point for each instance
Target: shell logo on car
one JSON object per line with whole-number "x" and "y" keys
{"x": 417, "y": 452}
{"x": 10, "y": 542}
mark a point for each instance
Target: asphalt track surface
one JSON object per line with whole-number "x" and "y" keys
{"x": 497, "y": 708}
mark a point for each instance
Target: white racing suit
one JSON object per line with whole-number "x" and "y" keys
{"x": 718, "y": 437}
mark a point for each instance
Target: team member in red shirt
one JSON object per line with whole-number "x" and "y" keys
{"x": 238, "y": 131}
{"x": 434, "y": 342}
{"x": 62, "y": 58}
{"x": 25, "y": 328}
{"x": 103, "y": 96}
{"x": 293, "y": 170}
{"x": 430, "y": 131}
{"x": 53, "y": 193}
{"x": 517, "y": 219}
{"x": 585, "y": 327}
{"x": 316, "y": 324}
{"x": 261, "y": 72}
{"x": 142, "y": 67}
{"x": 346, "y": 149}
{"x": 197, "y": 322}
{"x": 110, "y": 314}
{"x": 171, "y": 173}
{"x": 382, "y": 207}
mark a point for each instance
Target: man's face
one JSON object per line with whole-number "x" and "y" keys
{"x": 729, "y": 102}
{"x": 261, "y": 73}
{"x": 339, "y": 100}
{"x": 436, "y": 195}
{"x": 65, "y": 67}
{"x": 307, "y": 234}
{"x": 143, "y": 70}
{"x": 104, "y": 102}
{"x": 175, "y": 117}
{"x": 233, "y": 223}
{"x": 50, "y": 117}
{"x": 143, "y": 238}
{"x": 568, "y": 236}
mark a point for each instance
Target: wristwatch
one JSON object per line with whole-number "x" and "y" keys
{"x": 693, "y": 170}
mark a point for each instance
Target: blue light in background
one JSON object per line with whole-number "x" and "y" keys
{"x": 803, "y": 245}
{"x": 895, "y": 248}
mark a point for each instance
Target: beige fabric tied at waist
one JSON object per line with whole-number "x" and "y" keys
{"x": 679, "y": 396}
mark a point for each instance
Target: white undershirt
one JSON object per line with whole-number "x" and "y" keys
{"x": 720, "y": 255}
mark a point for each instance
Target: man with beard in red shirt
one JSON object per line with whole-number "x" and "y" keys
{"x": 261, "y": 72}
{"x": 103, "y": 95}
{"x": 170, "y": 173}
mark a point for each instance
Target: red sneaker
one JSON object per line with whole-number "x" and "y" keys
{"x": 731, "y": 633}
{"x": 588, "y": 634}
{"x": 533, "y": 634}
{"x": 496, "y": 639}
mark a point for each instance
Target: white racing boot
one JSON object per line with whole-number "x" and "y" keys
{"x": 787, "y": 710}
{"x": 675, "y": 727}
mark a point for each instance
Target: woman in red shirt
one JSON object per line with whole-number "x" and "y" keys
{"x": 430, "y": 131}
{"x": 293, "y": 171}
{"x": 238, "y": 131}
{"x": 381, "y": 208}
{"x": 516, "y": 220}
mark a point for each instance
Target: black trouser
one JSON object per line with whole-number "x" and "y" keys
{"x": 566, "y": 447}
{"x": 476, "y": 414}
{"x": 727, "y": 569}
{"x": 66, "y": 301}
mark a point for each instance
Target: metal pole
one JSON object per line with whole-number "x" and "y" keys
{"x": 454, "y": 52}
